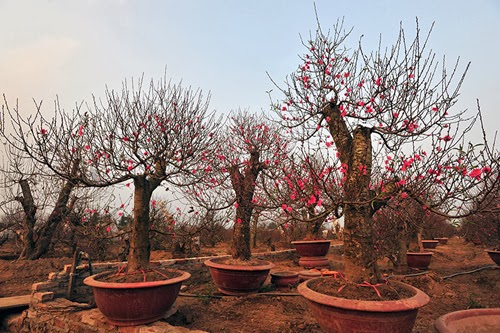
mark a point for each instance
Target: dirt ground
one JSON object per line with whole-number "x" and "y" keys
{"x": 272, "y": 314}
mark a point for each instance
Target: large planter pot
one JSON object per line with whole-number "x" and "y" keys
{"x": 473, "y": 320}
{"x": 238, "y": 279}
{"x": 430, "y": 244}
{"x": 312, "y": 253}
{"x": 126, "y": 304}
{"x": 494, "y": 255}
{"x": 420, "y": 260}
{"x": 442, "y": 240}
{"x": 343, "y": 315}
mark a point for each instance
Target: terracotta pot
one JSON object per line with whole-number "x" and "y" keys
{"x": 473, "y": 320}
{"x": 494, "y": 255}
{"x": 306, "y": 275}
{"x": 127, "y": 304}
{"x": 420, "y": 260}
{"x": 284, "y": 279}
{"x": 343, "y": 315}
{"x": 430, "y": 244}
{"x": 312, "y": 253}
{"x": 238, "y": 279}
{"x": 442, "y": 240}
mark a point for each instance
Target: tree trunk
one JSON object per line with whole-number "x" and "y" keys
{"x": 358, "y": 224}
{"x": 419, "y": 236}
{"x": 138, "y": 257}
{"x": 244, "y": 187}
{"x": 255, "y": 227}
{"x": 241, "y": 236}
{"x": 29, "y": 209}
{"x": 48, "y": 230}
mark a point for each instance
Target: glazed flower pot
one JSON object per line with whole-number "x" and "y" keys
{"x": 494, "y": 255}
{"x": 137, "y": 303}
{"x": 312, "y": 253}
{"x": 343, "y": 315}
{"x": 284, "y": 279}
{"x": 430, "y": 244}
{"x": 473, "y": 320}
{"x": 238, "y": 279}
{"x": 420, "y": 260}
{"x": 442, "y": 240}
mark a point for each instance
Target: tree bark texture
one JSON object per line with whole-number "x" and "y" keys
{"x": 138, "y": 257}
{"x": 244, "y": 187}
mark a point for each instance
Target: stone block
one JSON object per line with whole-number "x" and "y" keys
{"x": 43, "y": 296}
{"x": 44, "y": 286}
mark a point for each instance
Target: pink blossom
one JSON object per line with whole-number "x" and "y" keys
{"x": 404, "y": 195}
{"x": 43, "y": 131}
{"x": 446, "y": 138}
{"x": 312, "y": 200}
{"x": 378, "y": 81}
{"x": 108, "y": 229}
{"x": 475, "y": 173}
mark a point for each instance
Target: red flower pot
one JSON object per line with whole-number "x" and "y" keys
{"x": 494, "y": 255}
{"x": 442, "y": 240}
{"x": 312, "y": 253}
{"x": 284, "y": 279}
{"x": 473, "y": 320}
{"x": 420, "y": 260}
{"x": 430, "y": 244}
{"x": 126, "y": 304}
{"x": 343, "y": 315}
{"x": 238, "y": 279}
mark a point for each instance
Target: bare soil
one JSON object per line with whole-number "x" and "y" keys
{"x": 202, "y": 307}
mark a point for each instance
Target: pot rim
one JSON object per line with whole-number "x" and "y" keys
{"x": 311, "y": 241}
{"x": 416, "y": 301}
{"x": 430, "y": 240}
{"x": 493, "y": 251}
{"x": 210, "y": 263}
{"x": 420, "y": 253}
{"x": 441, "y": 324}
{"x": 285, "y": 274}
{"x": 92, "y": 282}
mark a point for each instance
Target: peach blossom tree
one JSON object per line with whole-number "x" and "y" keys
{"x": 384, "y": 122}
{"x": 249, "y": 149}
{"x": 145, "y": 135}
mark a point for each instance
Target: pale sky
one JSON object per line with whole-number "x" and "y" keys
{"x": 73, "y": 48}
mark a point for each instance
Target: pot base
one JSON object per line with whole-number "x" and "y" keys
{"x": 314, "y": 262}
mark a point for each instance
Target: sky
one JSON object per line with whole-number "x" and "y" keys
{"x": 74, "y": 48}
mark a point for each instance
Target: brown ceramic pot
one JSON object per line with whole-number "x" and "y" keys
{"x": 238, "y": 279}
{"x": 442, "y": 240}
{"x": 343, "y": 315}
{"x": 430, "y": 244}
{"x": 127, "y": 304}
{"x": 309, "y": 274}
{"x": 284, "y": 279}
{"x": 494, "y": 255}
{"x": 420, "y": 260}
{"x": 312, "y": 253}
{"x": 473, "y": 320}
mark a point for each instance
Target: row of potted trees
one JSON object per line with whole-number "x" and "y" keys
{"x": 361, "y": 125}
